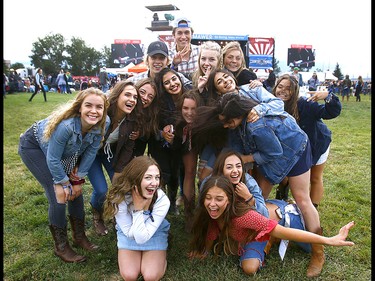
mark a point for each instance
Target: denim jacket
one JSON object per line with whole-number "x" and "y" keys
{"x": 276, "y": 143}
{"x": 269, "y": 104}
{"x": 65, "y": 141}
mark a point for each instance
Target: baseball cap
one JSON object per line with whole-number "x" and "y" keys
{"x": 271, "y": 68}
{"x": 157, "y": 47}
{"x": 182, "y": 22}
{"x": 296, "y": 68}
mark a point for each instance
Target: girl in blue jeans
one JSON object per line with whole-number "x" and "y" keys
{"x": 118, "y": 144}
{"x": 59, "y": 151}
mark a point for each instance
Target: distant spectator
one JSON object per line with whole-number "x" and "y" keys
{"x": 5, "y": 84}
{"x": 104, "y": 80}
{"x": 313, "y": 82}
{"x": 39, "y": 84}
{"x": 61, "y": 83}
{"x": 298, "y": 76}
{"x": 346, "y": 84}
{"x": 358, "y": 88}
{"x": 269, "y": 83}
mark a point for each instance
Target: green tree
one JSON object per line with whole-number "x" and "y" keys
{"x": 81, "y": 59}
{"x": 106, "y": 57}
{"x": 337, "y": 72}
{"x": 48, "y": 53}
{"x": 17, "y": 65}
{"x": 275, "y": 66}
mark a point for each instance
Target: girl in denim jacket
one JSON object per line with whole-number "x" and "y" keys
{"x": 279, "y": 148}
{"x": 59, "y": 151}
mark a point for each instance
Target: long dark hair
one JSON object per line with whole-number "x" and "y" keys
{"x": 202, "y": 219}
{"x": 113, "y": 97}
{"x": 291, "y": 105}
{"x": 150, "y": 113}
{"x": 213, "y": 94}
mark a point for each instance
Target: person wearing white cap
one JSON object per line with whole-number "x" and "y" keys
{"x": 184, "y": 54}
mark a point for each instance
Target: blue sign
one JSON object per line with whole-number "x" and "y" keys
{"x": 260, "y": 61}
{"x": 220, "y": 37}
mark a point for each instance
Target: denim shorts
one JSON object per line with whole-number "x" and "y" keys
{"x": 254, "y": 250}
{"x": 296, "y": 220}
{"x": 158, "y": 242}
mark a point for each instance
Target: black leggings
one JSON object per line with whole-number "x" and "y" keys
{"x": 37, "y": 87}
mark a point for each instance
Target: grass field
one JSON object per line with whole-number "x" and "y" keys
{"x": 28, "y": 245}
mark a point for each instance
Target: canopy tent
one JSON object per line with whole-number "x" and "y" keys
{"x": 117, "y": 71}
{"x": 141, "y": 67}
{"x": 329, "y": 76}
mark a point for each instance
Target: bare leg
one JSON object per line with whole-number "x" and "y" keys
{"x": 316, "y": 179}
{"x": 154, "y": 264}
{"x": 129, "y": 263}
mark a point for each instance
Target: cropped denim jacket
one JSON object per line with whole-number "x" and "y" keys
{"x": 65, "y": 141}
{"x": 276, "y": 143}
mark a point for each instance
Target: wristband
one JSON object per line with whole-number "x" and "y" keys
{"x": 248, "y": 200}
{"x": 80, "y": 181}
{"x": 66, "y": 186}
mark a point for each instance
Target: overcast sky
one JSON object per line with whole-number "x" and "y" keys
{"x": 339, "y": 31}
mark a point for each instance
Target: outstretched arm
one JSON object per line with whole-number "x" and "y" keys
{"x": 309, "y": 237}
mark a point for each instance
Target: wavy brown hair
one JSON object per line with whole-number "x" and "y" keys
{"x": 202, "y": 219}
{"x": 130, "y": 176}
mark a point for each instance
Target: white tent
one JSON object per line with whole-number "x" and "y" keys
{"x": 329, "y": 76}
{"x": 123, "y": 70}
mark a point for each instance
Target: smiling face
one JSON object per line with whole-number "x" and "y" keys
{"x": 208, "y": 59}
{"x": 189, "y": 109}
{"x": 215, "y": 202}
{"x": 156, "y": 63}
{"x": 233, "y": 169}
{"x": 224, "y": 83}
{"x": 91, "y": 110}
{"x": 127, "y": 100}
{"x": 147, "y": 94}
{"x": 182, "y": 37}
{"x": 150, "y": 182}
{"x": 172, "y": 83}
{"x": 233, "y": 60}
{"x": 282, "y": 90}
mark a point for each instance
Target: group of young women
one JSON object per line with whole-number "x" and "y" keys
{"x": 240, "y": 137}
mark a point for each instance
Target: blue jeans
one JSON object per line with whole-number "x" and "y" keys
{"x": 62, "y": 89}
{"x": 105, "y": 88}
{"x": 98, "y": 180}
{"x": 35, "y": 161}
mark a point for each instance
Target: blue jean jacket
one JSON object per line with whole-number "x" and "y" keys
{"x": 276, "y": 143}
{"x": 268, "y": 103}
{"x": 260, "y": 204}
{"x": 64, "y": 142}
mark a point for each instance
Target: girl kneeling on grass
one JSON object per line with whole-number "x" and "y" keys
{"x": 140, "y": 208}
{"x": 222, "y": 222}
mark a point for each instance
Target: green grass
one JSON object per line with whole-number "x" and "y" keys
{"x": 28, "y": 245}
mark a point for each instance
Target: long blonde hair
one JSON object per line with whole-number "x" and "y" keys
{"x": 71, "y": 109}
